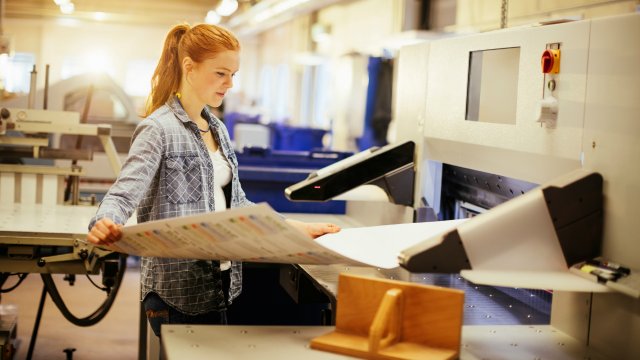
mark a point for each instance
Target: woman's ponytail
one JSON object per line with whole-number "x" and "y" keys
{"x": 166, "y": 77}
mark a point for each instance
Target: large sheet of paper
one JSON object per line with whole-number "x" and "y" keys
{"x": 380, "y": 245}
{"x": 259, "y": 234}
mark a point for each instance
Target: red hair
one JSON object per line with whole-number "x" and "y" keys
{"x": 201, "y": 42}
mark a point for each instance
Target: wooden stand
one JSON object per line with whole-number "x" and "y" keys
{"x": 386, "y": 319}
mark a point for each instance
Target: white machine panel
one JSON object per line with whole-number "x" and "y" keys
{"x": 596, "y": 128}
{"x": 612, "y": 147}
{"x": 509, "y": 86}
{"x": 409, "y": 117}
{"x": 612, "y": 130}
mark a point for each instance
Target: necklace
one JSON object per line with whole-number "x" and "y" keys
{"x": 204, "y": 131}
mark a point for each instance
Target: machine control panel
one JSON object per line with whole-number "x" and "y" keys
{"x": 550, "y": 63}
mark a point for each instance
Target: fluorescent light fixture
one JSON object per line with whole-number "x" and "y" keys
{"x": 277, "y": 9}
{"x": 227, "y": 7}
{"x": 96, "y": 61}
{"x": 309, "y": 58}
{"x": 67, "y": 8}
{"x": 320, "y": 33}
{"x": 212, "y": 17}
{"x": 67, "y": 22}
{"x": 100, "y": 16}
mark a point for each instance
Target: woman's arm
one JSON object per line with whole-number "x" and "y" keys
{"x": 125, "y": 194}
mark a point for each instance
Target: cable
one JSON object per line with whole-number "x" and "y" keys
{"x": 103, "y": 288}
{"x": 97, "y": 315}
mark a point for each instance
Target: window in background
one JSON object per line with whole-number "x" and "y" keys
{"x": 311, "y": 110}
{"x": 313, "y": 98}
{"x": 321, "y": 97}
{"x": 274, "y": 89}
{"x": 15, "y": 71}
{"x": 137, "y": 80}
{"x": 266, "y": 92}
{"x": 93, "y": 61}
{"x": 283, "y": 98}
{"x": 306, "y": 96}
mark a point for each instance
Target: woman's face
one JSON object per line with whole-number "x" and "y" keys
{"x": 212, "y": 78}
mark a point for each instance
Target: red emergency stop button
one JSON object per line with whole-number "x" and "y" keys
{"x": 550, "y": 61}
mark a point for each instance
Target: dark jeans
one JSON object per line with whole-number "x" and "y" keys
{"x": 159, "y": 313}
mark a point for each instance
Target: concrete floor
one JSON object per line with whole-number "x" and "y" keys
{"x": 114, "y": 337}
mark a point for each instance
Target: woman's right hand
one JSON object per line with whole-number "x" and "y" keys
{"x": 104, "y": 232}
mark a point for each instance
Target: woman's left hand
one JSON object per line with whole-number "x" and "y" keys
{"x": 314, "y": 229}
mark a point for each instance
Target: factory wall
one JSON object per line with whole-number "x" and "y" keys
{"x": 129, "y": 53}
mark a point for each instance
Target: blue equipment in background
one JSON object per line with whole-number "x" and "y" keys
{"x": 232, "y": 118}
{"x": 265, "y": 173}
{"x": 287, "y": 137}
{"x": 279, "y": 136}
{"x": 377, "y": 115}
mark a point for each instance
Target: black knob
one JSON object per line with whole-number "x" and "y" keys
{"x": 5, "y": 113}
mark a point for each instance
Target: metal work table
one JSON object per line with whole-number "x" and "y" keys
{"x": 484, "y": 305}
{"x": 496, "y": 325}
{"x": 292, "y": 342}
{"x": 50, "y": 239}
{"x": 60, "y": 219}
{"x": 29, "y": 232}
{"x": 68, "y": 224}
{"x": 38, "y": 238}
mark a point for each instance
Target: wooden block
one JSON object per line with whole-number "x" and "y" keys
{"x": 426, "y": 321}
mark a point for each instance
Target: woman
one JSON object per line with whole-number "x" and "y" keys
{"x": 181, "y": 162}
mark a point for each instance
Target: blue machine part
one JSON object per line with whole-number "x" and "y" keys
{"x": 283, "y": 136}
{"x": 366, "y": 140}
{"x": 378, "y": 105}
{"x": 265, "y": 173}
{"x": 233, "y": 118}
{"x": 287, "y": 137}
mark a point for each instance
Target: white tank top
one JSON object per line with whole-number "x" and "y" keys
{"x": 221, "y": 177}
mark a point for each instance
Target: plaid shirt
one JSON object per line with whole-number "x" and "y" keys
{"x": 169, "y": 173}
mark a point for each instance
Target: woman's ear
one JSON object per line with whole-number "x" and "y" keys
{"x": 187, "y": 64}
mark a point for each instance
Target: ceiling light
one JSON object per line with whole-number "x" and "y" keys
{"x": 277, "y": 9}
{"x": 227, "y": 7}
{"x": 67, "y": 8}
{"x": 100, "y": 16}
{"x": 212, "y": 17}
{"x": 61, "y": 2}
{"x": 67, "y": 22}
{"x": 320, "y": 33}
